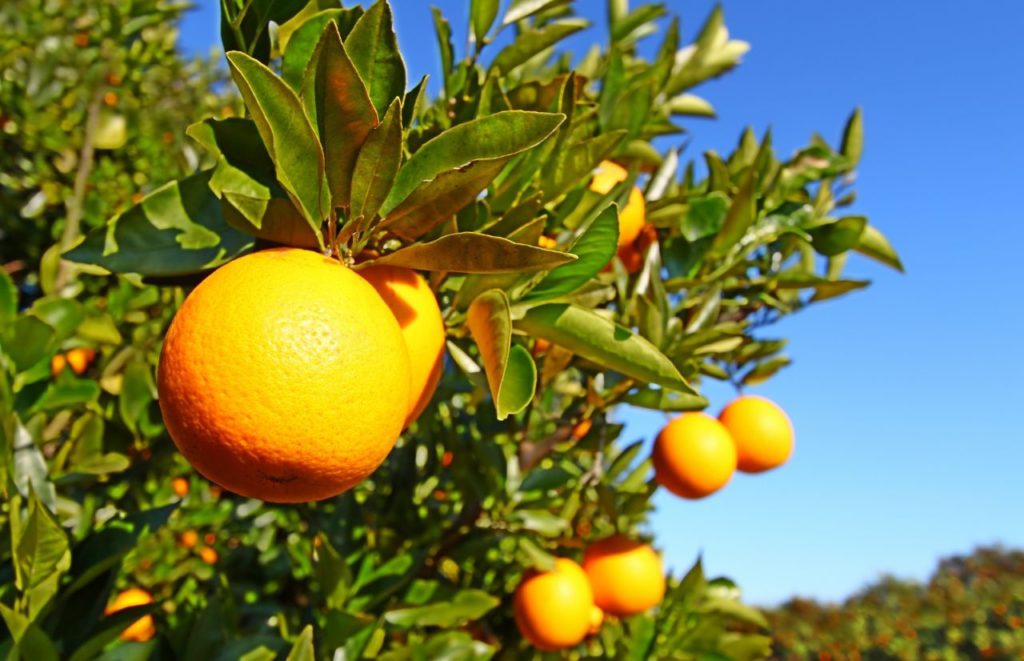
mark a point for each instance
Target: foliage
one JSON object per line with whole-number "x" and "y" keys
{"x": 972, "y": 607}
{"x": 339, "y": 153}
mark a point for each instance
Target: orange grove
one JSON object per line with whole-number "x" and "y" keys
{"x": 694, "y": 456}
{"x": 627, "y": 576}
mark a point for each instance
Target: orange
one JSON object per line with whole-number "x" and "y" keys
{"x": 284, "y": 377}
{"x": 633, "y": 215}
{"x": 141, "y": 629}
{"x": 57, "y": 364}
{"x": 189, "y": 538}
{"x": 582, "y": 428}
{"x": 80, "y": 358}
{"x": 762, "y": 433}
{"x": 180, "y": 487}
{"x": 627, "y": 577}
{"x": 553, "y": 608}
{"x": 548, "y": 242}
{"x": 415, "y": 307}
{"x": 208, "y": 555}
{"x": 632, "y": 256}
{"x": 694, "y": 456}
{"x": 540, "y": 347}
{"x": 596, "y": 620}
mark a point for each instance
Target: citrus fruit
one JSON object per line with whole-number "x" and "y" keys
{"x": 179, "y": 486}
{"x": 596, "y": 620}
{"x": 141, "y": 629}
{"x": 627, "y": 576}
{"x": 634, "y": 213}
{"x": 208, "y": 555}
{"x": 284, "y": 377}
{"x": 761, "y": 431}
{"x": 553, "y": 608}
{"x": 57, "y": 364}
{"x": 581, "y": 428}
{"x": 540, "y": 347}
{"x": 415, "y": 307}
{"x": 189, "y": 538}
{"x": 632, "y": 255}
{"x": 694, "y": 456}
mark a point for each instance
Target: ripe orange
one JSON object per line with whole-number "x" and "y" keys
{"x": 548, "y": 242}
{"x": 582, "y": 428}
{"x": 57, "y": 364}
{"x": 189, "y": 538}
{"x": 626, "y": 576}
{"x": 208, "y": 555}
{"x": 632, "y": 255}
{"x": 694, "y": 456}
{"x": 633, "y": 215}
{"x": 415, "y": 307}
{"x": 540, "y": 347}
{"x": 762, "y": 433}
{"x": 79, "y": 359}
{"x": 553, "y": 608}
{"x": 141, "y": 629}
{"x": 180, "y": 487}
{"x": 284, "y": 377}
{"x": 596, "y": 620}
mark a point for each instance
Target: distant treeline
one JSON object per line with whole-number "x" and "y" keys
{"x": 971, "y": 608}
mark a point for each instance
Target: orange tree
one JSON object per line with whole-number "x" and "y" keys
{"x": 557, "y": 307}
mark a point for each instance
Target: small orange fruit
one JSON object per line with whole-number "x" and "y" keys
{"x": 447, "y": 458}
{"x": 208, "y": 555}
{"x": 79, "y": 359}
{"x": 552, "y": 608}
{"x": 415, "y": 307}
{"x": 548, "y": 242}
{"x": 596, "y": 620}
{"x": 180, "y": 487}
{"x": 694, "y": 456}
{"x": 540, "y": 347}
{"x": 189, "y": 538}
{"x": 57, "y": 364}
{"x": 209, "y": 538}
{"x": 284, "y": 377}
{"x": 582, "y": 428}
{"x": 633, "y": 215}
{"x": 762, "y": 433}
{"x": 627, "y": 577}
{"x": 141, "y": 629}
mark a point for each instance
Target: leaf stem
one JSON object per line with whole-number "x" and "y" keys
{"x": 332, "y": 232}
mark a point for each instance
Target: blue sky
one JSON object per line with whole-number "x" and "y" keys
{"x": 904, "y": 397}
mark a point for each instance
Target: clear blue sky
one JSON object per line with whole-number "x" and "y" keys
{"x": 906, "y": 398}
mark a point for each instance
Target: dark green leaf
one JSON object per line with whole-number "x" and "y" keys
{"x": 8, "y": 299}
{"x": 470, "y": 252}
{"x": 377, "y": 164}
{"x": 29, "y": 639}
{"x": 28, "y": 341}
{"x": 535, "y": 41}
{"x": 287, "y": 134}
{"x": 303, "y": 41}
{"x": 177, "y": 229}
{"x": 496, "y": 136}
{"x": 595, "y": 248}
{"x": 374, "y": 51}
{"x": 741, "y": 215}
{"x": 603, "y": 341}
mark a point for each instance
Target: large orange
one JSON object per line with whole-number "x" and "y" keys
{"x": 415, "y": 307}
{"x": 627, "y": 576}
{"x": 141, "y": 629}
{"x": 694, "y": 456}
{"x": 762, "y": 432}
{"x": 284, "y": 377}
{"x": 553, "y": 609}
{"x": 633, "y": 215}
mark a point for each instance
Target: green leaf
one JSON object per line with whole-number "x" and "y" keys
{"x": 377, "y": 164}
{"x": 481, "y": 16}
{"x": 67, "y": 393}
{"x": 41, "y": 557}
{"x": 30, "y": 641}
{"x": 8, "y": 299}
{"x": 542, "y": 522}
{"x": 705, "y": 216}
{"x": 374, "y": 51}
{"x": 874, "y": 245}
{"x": 177, "y": 229}
{"x": 340, "y": 109}
{"x": 302, "y": 42}
{"x": 466, "y": 606}
{"x": 853, "y": 138}
{"x": 741, "y": 215}
{"x": 603, "y": 341}
{"x": 511, "y": 373}
{"x": 595, "y": 248}
{"x": 31, "y": 472}
{"x": 27, "y": 341}
{"x": 835, "y": 288}
{"x": 495, "y": 136}
{"x": 287, "y": 134}
{"x": 764, "y": 370}
{"x": 471, "y": 252}
{"x": 333, "y": 573}
{"x": 690, "y": 105}
{"x": 534, "y": 41}
{"x": 303, "y": 649}
{"x": 435, "y": 201}
{"x": 137, "y": 391}
{"x": 666, "y": 400}
{"x": 736, "y": 611}
{"x": 834, "y": 238}
{"x": 443, "y": 31}
{"x": 577, "y": 163}
{"x": 109, "y": 629}
{"x": 520, "y": 9}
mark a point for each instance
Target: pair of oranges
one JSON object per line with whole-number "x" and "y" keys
{"x": 696, "y": 455}
{"x": 287, "y": 376}
{"x": 78, "y": 359}
{"x": 557, "y": 609}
